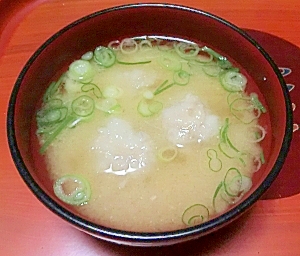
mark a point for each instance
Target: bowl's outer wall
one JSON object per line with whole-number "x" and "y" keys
{"x": 69, "y": 44}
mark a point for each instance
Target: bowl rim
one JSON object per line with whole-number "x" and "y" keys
{"x": 148, "y": 237}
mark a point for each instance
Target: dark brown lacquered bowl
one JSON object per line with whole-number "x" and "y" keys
{"x": 138, "y": 20}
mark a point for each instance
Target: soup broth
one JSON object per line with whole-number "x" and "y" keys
{"x": 151, "y": 135}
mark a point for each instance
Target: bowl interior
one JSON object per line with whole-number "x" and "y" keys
{"x": 153, "y": 20}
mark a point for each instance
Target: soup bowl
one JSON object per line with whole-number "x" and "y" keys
{"x": 128, "y": 21}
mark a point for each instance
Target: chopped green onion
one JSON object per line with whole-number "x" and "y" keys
{"x": 134, "y": 63}
{"x": 92, "y": 87}
{"x": 149, "y": 107}
{"x": 145, "y": 45}
{"x": 262, "y": 157}
{"x": 148, "y": 95}
{"x": 164, "y": 86}
{"x": 72, "y": 189}
{"x": 221, "y": 60}
{"x": 87, "y": 56}
{"x": 109, "y": 105}
{"x": 104, "y": 56}
{"x": 83, "y": 106}
{"x": 217, "y": 191}
{"x": 168, "y": 61}
{"x": 255, "y": 101}
{"x": 53, "y": 88}
{"x": 52, "y": 136}
{"x": 212, "y": 70}
{"x": 195, "y": 214}
{"x": 233, "y": 81}
{"x": 112, "y": 92}
{"x": 167, "y": 154}
{"x": 114, "y": 45}
{"x": 186, "y": 51}
{"x": 128, "y": 46}
{"x": 81, "y": 70}
{"x": 243, "y": 110}
{"x": 51, "y": 116}
{"x": 215, "y": 164}
{"x": 181, "y": 77}
{"x": 233, "y": 182}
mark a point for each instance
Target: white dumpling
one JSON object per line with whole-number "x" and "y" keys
{"x": 188, "y": 121}
{"x": 121, "y": 149}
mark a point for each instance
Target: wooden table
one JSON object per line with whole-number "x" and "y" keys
{"x": 27, "y": 228}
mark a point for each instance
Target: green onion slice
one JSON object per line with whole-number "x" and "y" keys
{"x": 233, "y": 81}
{"x": 195, "y": 214}
{"x": 58, "y": 129}
{"x": 212, "y": 70}
{"x": 181, "y": 77}
{"x": 92, "y": 87}
{"x": 215, "y": 164}
{"x": 114, "y": 45}
{"x": 109, "y": 105}
{"x": 221, "y": 60}
{"x": 72, "y": 189}
{"x": 112, "y": 92}
{"x": 233, "y": 182}
{"x": 145, "y": 45}
{"x": 149, "y": 107}
{"x": 53, "y": 88}
{"x": 87, "y": 56}
{"x": 169, "y": 62}
{"x": 243, "y": 110}
{"x": 51, "y": 116}
{"x": 256, "y": 102}
{"x": 128, "y": 46}
{"x": 81, "y": 70}
{"x": 217, "y": 192}
{"x": 134, "y": 63}
{"x": 164, "y": 86}
{"x": 186, "y": 51}
{"x": 104, "y": 56}
{"x": 167, "y": 154}
{"x": 83, "y": 106}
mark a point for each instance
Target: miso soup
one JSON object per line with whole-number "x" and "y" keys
{"x": 149, "y": 134}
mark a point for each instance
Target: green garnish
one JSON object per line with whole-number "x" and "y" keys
{"x": 134, "y": 63}
{"x": 195, "y": 214}
{"x": 92, "y": 87}
{"x": 167, "y": 154}
{"x": 215, "y": 164}
{"x": 149, "y": 107}
{"x": 81, "y": 70}
{"x": 233, "y": 81}
{"x": 164, "y": 86}
{"x": 83, "y": 106}
{"x": 72, "y": 189}
{"x": 104, "y": 56}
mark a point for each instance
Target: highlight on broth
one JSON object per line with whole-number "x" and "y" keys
{"x": 149, "y": 134}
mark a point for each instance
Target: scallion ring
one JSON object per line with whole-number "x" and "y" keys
{"x": 81, "y": 70}
{"x": 83, "y": 106}
{"x": 104, "y": 56}
{"x": 233, "y": 81}
{"x": 181, "y": 77}
{"x": 72, "y": 189}
{"x": 167, "y": 154}
{"x": 128, "y": 46}
{"x": 195, "y": 214}
{"x": 186, "y": 51}
{"x": 233, "y": 182}
{"x": 92, "y": 87}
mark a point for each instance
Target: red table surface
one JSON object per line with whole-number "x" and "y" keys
{"x": 271, "y": 227}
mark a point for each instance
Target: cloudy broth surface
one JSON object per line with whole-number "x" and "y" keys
{"x": 151, "y": 135}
